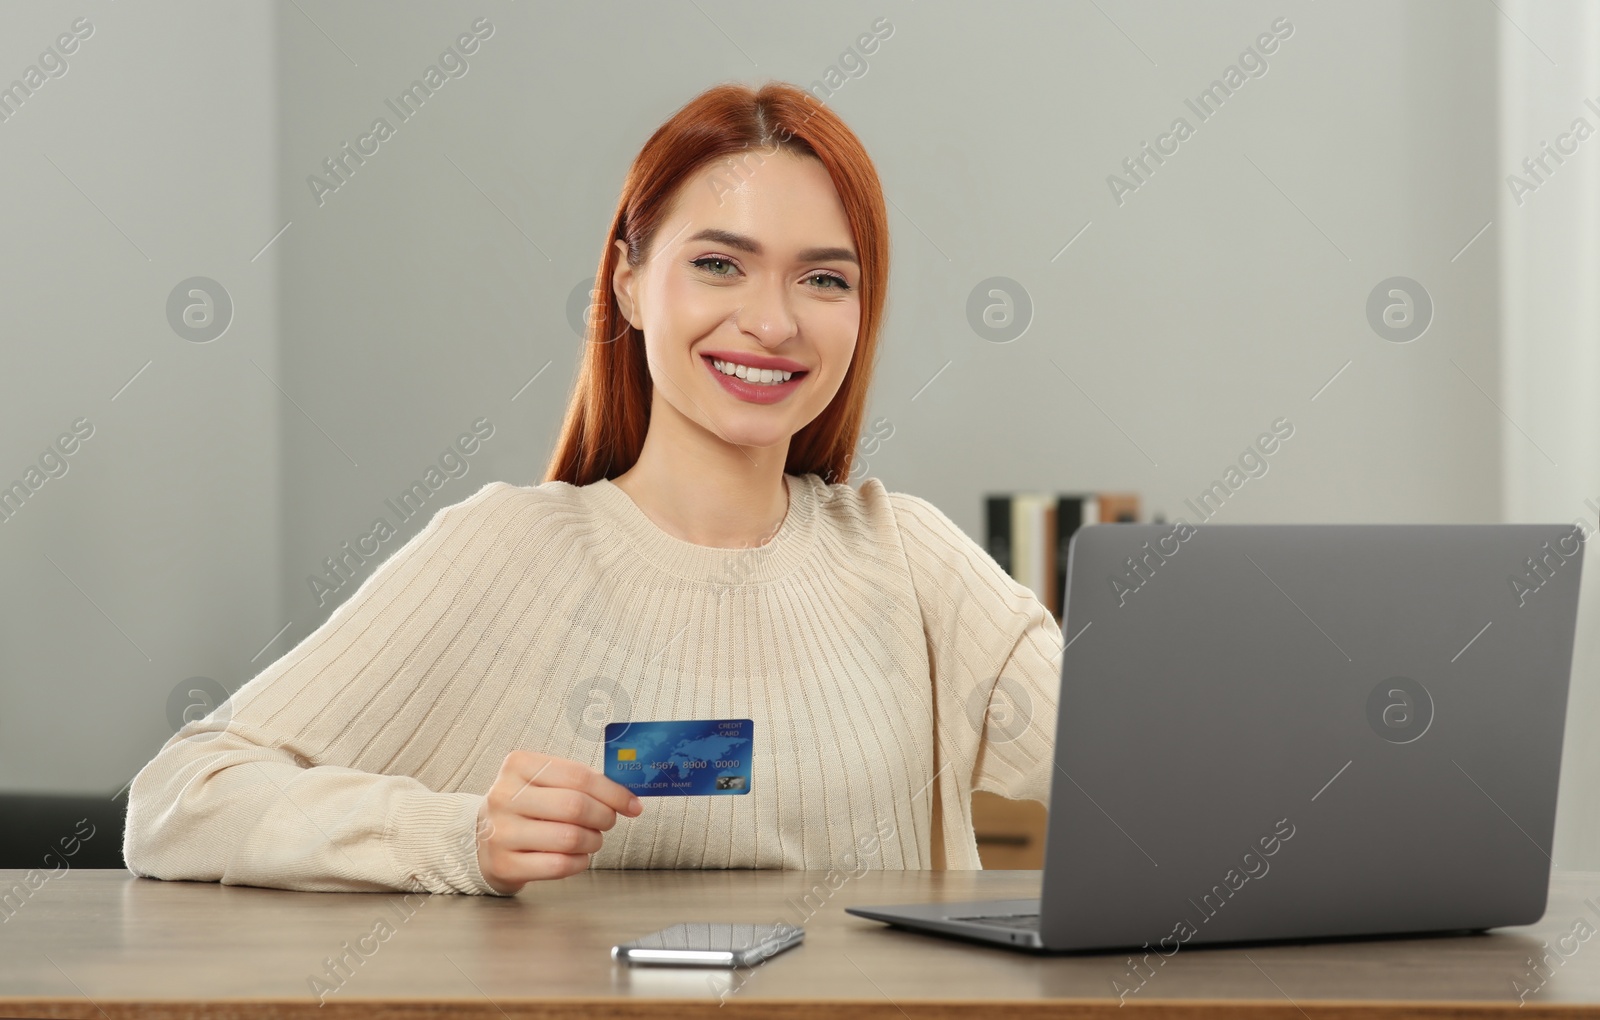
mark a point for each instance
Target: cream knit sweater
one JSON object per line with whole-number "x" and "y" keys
{"x": 889, "y": 664}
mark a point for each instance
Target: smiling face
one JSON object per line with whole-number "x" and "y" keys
{"x": 755, "y": 279}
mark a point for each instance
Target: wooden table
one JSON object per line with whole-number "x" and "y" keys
{"x": 105, "y": 944}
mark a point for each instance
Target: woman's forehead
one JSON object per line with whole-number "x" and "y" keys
{"x": 785, "y": 201}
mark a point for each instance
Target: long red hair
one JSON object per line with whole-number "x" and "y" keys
{"x": 609, "y": 412}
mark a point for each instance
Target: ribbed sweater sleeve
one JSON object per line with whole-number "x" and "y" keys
{"x": 995, "y": 655}
{"x": 285, "y": 786}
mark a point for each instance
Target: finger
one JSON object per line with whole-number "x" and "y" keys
{"x": 534, "y": 866}
{"x": 548, "y": 770}
{"x": 559, "y": 804}
{"x": 528, "y": 767}
{"x": 544, "y": 835}
{"x": 609, "y": 792}
{"x": 573, "y": 775}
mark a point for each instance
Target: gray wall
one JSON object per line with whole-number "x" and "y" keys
{"x": 1550, "y": 348}
{"x": 430, "y": 287}
{"x": 157, "y": 556}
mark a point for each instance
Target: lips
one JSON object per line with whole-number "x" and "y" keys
{"x": 754, "y": 393}
{"x": 751, "y": 360}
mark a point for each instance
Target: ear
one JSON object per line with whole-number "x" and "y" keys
{"x": 623, "y": 281}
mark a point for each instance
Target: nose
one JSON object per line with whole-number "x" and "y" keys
{"x": 766, "y": 314}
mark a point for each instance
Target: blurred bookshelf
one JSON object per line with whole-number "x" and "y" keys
{"x": 1027, "y": 533}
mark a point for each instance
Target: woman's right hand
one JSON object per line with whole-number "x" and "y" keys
{"x": 543, "y": 817}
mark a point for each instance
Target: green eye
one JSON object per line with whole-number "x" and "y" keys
{"x": 702, "y": 264}
{"x": 838, "y": 282}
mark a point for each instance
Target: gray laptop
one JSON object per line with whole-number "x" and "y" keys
{"x": 1297, "y": 731}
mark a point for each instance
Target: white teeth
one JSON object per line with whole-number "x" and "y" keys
{"x": 759, "y": 376}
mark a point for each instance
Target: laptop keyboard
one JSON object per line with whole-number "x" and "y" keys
{"x": 1020, "y": 922}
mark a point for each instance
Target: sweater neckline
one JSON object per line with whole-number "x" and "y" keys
{"x": 787, "y": 549}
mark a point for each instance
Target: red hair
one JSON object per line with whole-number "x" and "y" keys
{"x": 609, "y": 412}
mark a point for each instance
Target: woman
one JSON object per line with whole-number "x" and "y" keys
{"x": 690, "y": 556}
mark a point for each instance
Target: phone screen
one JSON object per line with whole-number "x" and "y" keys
{"x": 710, "y": 944}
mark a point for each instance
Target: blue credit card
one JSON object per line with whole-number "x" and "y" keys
{"x": 684, "y": 758}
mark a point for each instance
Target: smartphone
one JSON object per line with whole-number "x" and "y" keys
{"x": 709, "y": 944}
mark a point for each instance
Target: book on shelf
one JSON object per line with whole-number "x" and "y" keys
{"x": 1027, "y": 534}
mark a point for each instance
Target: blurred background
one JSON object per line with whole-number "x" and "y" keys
{"x": 221, "y": 363}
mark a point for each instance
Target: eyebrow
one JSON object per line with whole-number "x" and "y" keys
{"x": 751, "y": 245}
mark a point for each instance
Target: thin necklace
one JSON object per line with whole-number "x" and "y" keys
{"x": 788, "y": 501}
